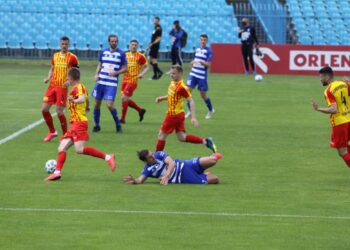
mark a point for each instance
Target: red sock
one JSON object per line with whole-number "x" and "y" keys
{"x": 194, "y": 139}
{"x": 346, "y": 158}
{"x": 134, "y": 105}
{"x": 124, "y": 109}
{"x": 63, "y": 122}
{"x": 160, "y": 145}
{"x": 61, "y": 158}
{"x": 93, "y": 152}
{"x": 48, "y": 119}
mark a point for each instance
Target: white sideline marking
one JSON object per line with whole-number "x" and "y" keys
{"x": 23, "y": 130}
{"x": 73, "y": 210}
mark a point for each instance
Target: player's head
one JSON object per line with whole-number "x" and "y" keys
{"x": 113, "y": 41}
{"x": 134, "y": 45}
{"x": 64, "y": 43}
{"x": 176, "y": 72}
{"x": 146, "y": 156}
{"x": 176, "y": 25}
{"x": 245, "y": 21}
{"x": 73, "y": 75}
{"x": 326, "y": 75}
{"x": 203, "y": 39}
{"x": 156, "y": 20}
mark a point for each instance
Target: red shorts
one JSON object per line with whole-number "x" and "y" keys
{"x": 55, "y": 95}
{"x": 128, "y": 88}
{"x": 78, "y": 131}
{"x": 340, "y": 136}
{"x": 175, "y": 122}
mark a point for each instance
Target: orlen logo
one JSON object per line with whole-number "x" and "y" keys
{"x": 259, "y": 59}
{"x": 314, "y": 60}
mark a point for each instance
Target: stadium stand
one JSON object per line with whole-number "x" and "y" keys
{"x": 321, "y": 22}
{"x": 40, "y": 23}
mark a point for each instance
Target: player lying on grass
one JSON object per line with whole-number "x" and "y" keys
{"x": 160, "y": 165}
{"x": 337, "y": 98}
{"x": 178, "y": 92}
{"x": 78, "y": 132}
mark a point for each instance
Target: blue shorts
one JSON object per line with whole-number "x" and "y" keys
{"x": 104, "y": 92}
{"x": 193, "y": 81}
{"x": 193, "y": 173}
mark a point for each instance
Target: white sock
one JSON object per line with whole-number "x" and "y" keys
{"x": 57, "y": 172}
{"x": 108, "y": 157}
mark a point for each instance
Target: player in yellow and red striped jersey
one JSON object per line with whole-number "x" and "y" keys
{"x": 78, "y": 132}
{"x": 56, "y": 94}
{"x": 136, "y": 62}
{"x": 337, "y": 98}
{"x": 178, "y": 92}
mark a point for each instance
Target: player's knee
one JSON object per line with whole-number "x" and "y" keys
{"x": 214, "y": 180}
{"x": 110, "y": 106}
{"x": 181, "y": 137}
{"x": 79, "y": 150}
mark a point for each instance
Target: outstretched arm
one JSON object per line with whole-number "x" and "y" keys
{"x": 131, "y": 180}
{"x": 332, "y": 109}
{"x": 161, "y": 98}
{"x": 170, "y": 169}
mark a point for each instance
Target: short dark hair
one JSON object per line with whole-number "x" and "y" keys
{"x": 143, "y": 154}
{"x": 177, "y": 67}
{"x": 176, "y": 22}
{"x": 64, "y": 38}
{"x": 111, "y": 36}
{"x": 74, "y": 73}
{"x": 157, "y": 17}
{"x": 326, "y": 70}
{"x": 134, "y": 41}
{"x": 204, "y": 35}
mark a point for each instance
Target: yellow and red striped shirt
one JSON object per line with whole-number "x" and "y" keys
{"x": 78, "y": 110}
{"x": 135, "y": 63}
{"x": 62, "y": 62}
{"x": 178, "y": 92}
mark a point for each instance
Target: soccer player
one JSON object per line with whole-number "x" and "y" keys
{"x": 248, "y": 38}
{"x": 56, "y": 93}
{"x": 136, "y": 61}
{"x": 178, "y": 92}
{"x": 176, "y": 36}
{"x": 154, "y": 49}
{"x": 78, "y": 132}
{"x": 161, "y": 166}
{"x": 112, "y": 63}
{"x": 199, "y": 74}
{"x": 337, "y": 98}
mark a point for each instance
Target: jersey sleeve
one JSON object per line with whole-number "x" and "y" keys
{"x": 74, "y": 61}
{"x": 330, "y": 98}
{"x": 100, "y": 56}
{"x": 185, "y": 92}
{"x": 146, "y": 171}
{"x": 210, "y": 55}
{"x": 123, "y": 60}
{"x": 53, "y": 60}
{"x": 143, "y": 60}
{"x": 158, "y": 32}
{"x": 161, "y": 155}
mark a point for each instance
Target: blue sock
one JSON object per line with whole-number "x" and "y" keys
{"x": 188, "y": 105}
{"x": 97, "y": 113}
{"x": 115, "y": 117}
{"x": 208, "y": 102}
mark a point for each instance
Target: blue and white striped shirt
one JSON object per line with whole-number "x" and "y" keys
{"x": 110, "y": 61}
{"x": 198, "y": 70}
{"x": 158, "y": 169}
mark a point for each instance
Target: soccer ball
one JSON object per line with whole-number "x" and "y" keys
{"x": 50, "y": 166}
{"x": 258, "y": 78}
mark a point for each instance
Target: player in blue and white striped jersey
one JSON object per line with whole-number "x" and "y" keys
{"x": 161, "y": 166}
{"x": 199, "y": 74}
{"x": 112, "y": 63}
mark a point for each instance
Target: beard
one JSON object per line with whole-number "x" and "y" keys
{"x": 324, "y": 83}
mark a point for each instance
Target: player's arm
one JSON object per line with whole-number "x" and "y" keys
{"x": 145, "y": 69}
{"x": 194, "y": 120}
{"x": 170, "y": 169}
{"x": 157, "y": 40}
{"x": 161, "y": 98}
{"x": 206, "y": 64}
{"x": 87, "y": 109}
{"x": 131, "y": 180}
{"x": 99, "y": 65}
{"x": 49, "y": 75}
{"x": 78, "y": 100}
{"x": 332, "y": 109}
{"x": 255, "y": 39}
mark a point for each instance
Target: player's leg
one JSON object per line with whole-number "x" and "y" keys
{"x": 173, "y": 55}
{"x": 161, "y": 140}
{"x": 86, "y": 150}
{"x": 125, "y": 105}
{"x": 209, "y": 161}
{"x": 212, "y": 179}
{"x": 245, "y": 58}
{"x": 183, "y": 137}
{"x": 61, "y": 102}
{"x": 109, "y": 96}
{"x": 65, "y": 144}
{"x": 193, "y": 173}
{"x": 129, "y": 91}
{"x": 179, "y": 56}
{"x": 251, "y": 58}
{"x": 48, "y": 101}
{"x": 159, "y": 73}
{"x": 339, "y": 141}
{"x": 97, "y": 93}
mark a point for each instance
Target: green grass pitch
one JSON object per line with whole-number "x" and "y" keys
{"x": 282, "y": 187}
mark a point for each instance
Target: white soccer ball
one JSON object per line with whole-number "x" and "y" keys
{"x": 50, "y": 166}
{"x": 259, "y": 78}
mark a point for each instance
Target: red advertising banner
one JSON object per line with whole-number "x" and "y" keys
{"x": 283, "y": 59}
